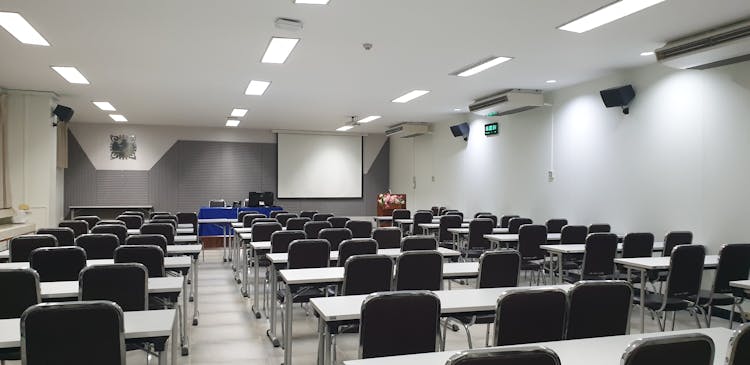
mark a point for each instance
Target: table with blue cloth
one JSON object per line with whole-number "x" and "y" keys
{"x": 228, "y": 212}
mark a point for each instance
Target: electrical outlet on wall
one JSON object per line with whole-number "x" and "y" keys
{"x": 550, "y": 176}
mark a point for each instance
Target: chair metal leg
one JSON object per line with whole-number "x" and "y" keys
{"x": 445, "y": 330}
{"x": 674, "y": 319}
{"x": 487, "y": 336}
{"x": 697, "y": 317}
{"x": 333, "y": 349}
{"x": 468, "y": 336}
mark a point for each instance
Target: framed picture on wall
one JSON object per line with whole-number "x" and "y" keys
{"x": 122, "y": 147}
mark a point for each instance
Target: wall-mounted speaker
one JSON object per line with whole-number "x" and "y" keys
{"x": 63, "y": 113}
{"x": 461, "y": 130}
{"x": 618, "y": 96}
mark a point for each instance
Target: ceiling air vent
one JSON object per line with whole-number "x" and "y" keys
{"x": 507, "y": 102}
{"x": 407, "y": 130}
{"x": 718, "y": 47}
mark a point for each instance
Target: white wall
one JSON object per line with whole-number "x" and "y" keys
{"x": 678, "y": 161}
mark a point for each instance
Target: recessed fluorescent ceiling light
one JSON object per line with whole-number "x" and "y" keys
{"x": 279, "y": 49}
{"x": 484, "y": 65}
{"x": 118, "y": 117}
{"x": 410, "y": 96}
{"x": 104, "y": 105}
{"x": 233, "y": 122}
{"x": 344, "y": 128}
{"x": 239, "y": 113}
{"x": 647, "y": 53}
{"x": 608, "y": 14}
{"x": 18, "y": 27}
{"x": 457, "y": 109}
{"x": 314, "y": 2}
{"x": 368, "y": 119}
{"x": 257, "y": 87}
{"x": 551, "y": 81}
{"x": 71, "y": 74}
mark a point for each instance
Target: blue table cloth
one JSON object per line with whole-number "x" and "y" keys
{"x": 216, "y": 229}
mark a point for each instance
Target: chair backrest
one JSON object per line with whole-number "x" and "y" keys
{"x": 58, "y": 263}
{"x": 243, "y": 213}
{"x": 120, "y": 231}
{"x": 448, "y": 221}
{"x": 686, "y": 349}
{"x": 739, "y": 346}
{"x": 280, "y": 240}
{"x": 110, "y": 221}
{"x": 188, "y": 218}
{"x": 638, "y": 245}
{"x": 150, "y": 256}
{"x": 134, "y": 212}
{"x": 599, "y": 254}
{"x": 599, "y": 228}
{"x": 249, "y": 218}
{"x": 131, "y": 221}
{"x": 308, "y": 214}
{"x": 676, "y": 238}
{"x": 455, "y": 212}
{"x": 163, "y": 229}
{"x": 312, "y": 228}
{"x": 685, "y": 271}
{"x": 283, "y": 218}
{"x": 24, "y": 284}
{"x": 398, "y": 323}
{"x": 338, "y": 222}
{"x": 499, "y": 269}
{"x": 65, "y": 236}
{"x": 124, "y": 284}
{"x": 556, "y": 225}
{"x": 90, "y": 219}
{"x": 530, "y": 237}
{"x": 335, "y": 236}
{"x": 91, "y": 330}
{"x": 297, "y": 224}
{"x": 262, "y": 231}
{"x": 356, "y": 246}
{"x": 489, "y": 216}
{"x": 360, "y": 229}
{"x": 505, "y": 220}
{"x": 171, "y": 222}
{"x": 367, "y": 274}
{"x": 387, "y": 237}
{"x": 79, "y": 227}
{"x": 477, "y": 214}
{"x": 526, "y": 355}
{"x": 419, "y": 243}
{"x": 477, "y": 229}
{"x": 515, "y": 224}
{"x": 154, "y": 214}
{"x": 401, "y": 214}
{"x": 734, "y": 264}
{"x": 435, "y": 210}
{"x": 441, "y": 210}
{"x": 422, "y": 217}
{"x": 147, "y": 239}
{"x": 98, "y": 245}
{"x": 573, "y": 235}
{"x": 598, "y": 309}
{"x": 530, "y": 315}
{"x": 309, "y": 253}
{"x": 321, "y": 217}
{"x": 19, "y": 248}
{"x": 218, "y": 203}
{"x": 419, "y": 270}
{"x": 274, "y": 213}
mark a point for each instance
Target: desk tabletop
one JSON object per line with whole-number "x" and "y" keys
{"x": 661, "y": 263}
{"x": 600, "y": 351}
{"x": 437, "y": 225}
{"x": 170, "y": 262}
{"x": 216, "y": 220}
{"x": 581, "y": 248}
{"x": 111, "y": 207}
{"x": 184, "y": 249}
{"x": 281, "y": 258}
{"x": 742, "y": 284}
{"x": 185, "y": 238}
{"x": 138, "y": 324}
{"x": 237, "y": 225}
{"x": 180, "y": 231}
{"x": 336, "y": 274}
{"x": 383, "y": 218}
{"x": 69, "y": 289}
{"x": 508, "y": 237}
{"x": 465, "y": 230}
{"x": 261, "y": 245}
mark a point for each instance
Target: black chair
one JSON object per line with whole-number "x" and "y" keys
{"x": 163, "y": 229}
{"x": 275, "y": 213}
{"x": 573, "y": 235}
{"x": 98, "y": 245}
{"x": 598, "y": 309}
{"x": 497, "y": 269}
{"x": 600, "y": 228}
{"x": 360, "y": 229}
{"x": 420, "y": 217}
{"x": 150, "y": 256}
{"x": 476, "y": 244}
{"x": 65, "y": 236}
{"x": 249, "y": 218}
{"x": 399, "y": 323}
{"x": 262, "y": 231}
{"x": 477, "y": 214}
{"x": 134, "y": 212}
{"x": 356, "y": 246}
{"x": 683, "y": 284}
{"x": 676, "y": 238}
{"x": 120, "y": 231}
{"x": 110, "y": 221}
{"x": 242, "y": 214}
{"x": 455, "y": 212}
{"x": 556, "y": 225}
{"x": 308, "y": 214}
{"x": 297, "y": 224}
{"x": 58, "y": 263}
{"x": 90, "y": 219}
{"x": 283, "y": 218}
{"x": 83, "y": 330}
{"x": 367, "y": 274}
{"x": 24, "y": 286}
{"x": 154, "y": 214}
{"x": 419, "y": 243}
{"x": 188, "y": 218}
{"x": 335, "y": 236}
{"x": 739, "y": 347}
{"x": 419, "y": 270}
{"x": 312, "y": 228}
{"x": 505, "y": 220}
{"x": 19, "y": 248}
{"x": 526, "y": 355}
{"x": 147, "y": 239}
{"x": 401, "y": 214}
{"x": 131, "y": 221}
{"x": 280, "y": 240}
{"x": 321, "y": 217}
{"x": 218, "y": 203}
{"x": 79, "y": 227}
{"x": 445, "y": 238}
{"x": 598, "y": 259}
{"x": 530, "y": 315}
{"x": 530, "y": 238}
{"x": 734, "y": 264}
{"x": 387, "y": 237}
{"x": 171, "y": 222}
{"x": 489, "y": 216}
{"x": 124, "y": 284}
{"x": 636, "y": 245}
{"x": 687, "y": 349}
{"x": 338, "y": 222}
{"x": 515, "y": 224}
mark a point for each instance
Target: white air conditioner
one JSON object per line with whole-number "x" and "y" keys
{"x": 506, "y": 102}
{"x": 407, "y": 130}
{"x": 714, "y": 48}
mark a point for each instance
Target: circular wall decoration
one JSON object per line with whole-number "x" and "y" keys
{"x": 122, "y": 147}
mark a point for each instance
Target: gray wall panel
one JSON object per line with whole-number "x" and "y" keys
{"x": 80, "y": 176}
{"x": 122, "y": 187}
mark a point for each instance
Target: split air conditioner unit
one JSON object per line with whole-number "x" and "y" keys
{"x": 507, "y": 102}
{"x": 717, "y": 47}
{"x": 407, "y": 130}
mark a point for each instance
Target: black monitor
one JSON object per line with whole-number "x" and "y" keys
{"x": 268, "y": 198}
{"x": 254, "y": 198}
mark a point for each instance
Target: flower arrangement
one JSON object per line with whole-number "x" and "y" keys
{"x": 391, "y": 201}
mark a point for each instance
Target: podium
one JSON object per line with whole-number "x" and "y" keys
{"x": 388, "y": 202}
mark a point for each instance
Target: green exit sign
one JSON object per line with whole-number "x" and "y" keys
{"x": 491, "y": 129}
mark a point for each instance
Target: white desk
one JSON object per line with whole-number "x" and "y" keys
{"x": 461, "y": 232}
{"x": 427, "y": 227}
{"x": 380, "y": 219}
{"x": 281, "y": 258}
{"x": 742, "y": 284}
{"x": 179, "y": 231}
{"x": 646, "y": 264}
{"x": 137, "y": 325}
{"x": 73, "y": 208}
{"x": 70, "y": 289}
{"x": 225, "y": 227}
{"x": 334, "y": 275}
{"x": 599, "y": 351}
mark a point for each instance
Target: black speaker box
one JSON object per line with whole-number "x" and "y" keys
{"x": 63, "y": 113}
{"x": 460, "y": 130}
{"x": 618, "y": 96}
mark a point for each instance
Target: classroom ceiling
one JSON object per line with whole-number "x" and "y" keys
{"x": 188, "y": 62}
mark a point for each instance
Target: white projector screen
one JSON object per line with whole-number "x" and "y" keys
{"x": 319, "y": 166}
